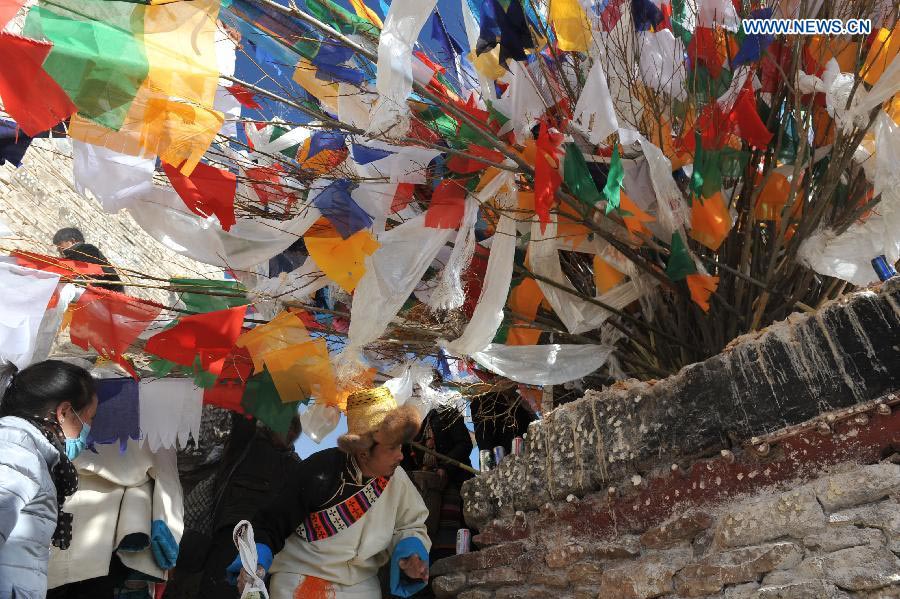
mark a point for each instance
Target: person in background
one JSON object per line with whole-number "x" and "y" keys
{"x": 352, "y": 510}
{"x": 445, "y": 432}
{"x": 45, "y": 417}
{"x": 257, "y": 464}
{"x": 70, "y": 244}
{"x": 499, "y": 417}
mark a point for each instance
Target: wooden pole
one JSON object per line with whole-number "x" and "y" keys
{"x": 444, "y": 458}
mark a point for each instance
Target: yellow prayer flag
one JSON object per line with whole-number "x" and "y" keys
{"x": 573, "y": 30}
{"x": 284, "y": 330}
{"x": 342, "y": 260}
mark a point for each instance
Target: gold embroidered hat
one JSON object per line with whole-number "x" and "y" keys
{"x": 367, "y": 409}
{"x": 375, "y": 410}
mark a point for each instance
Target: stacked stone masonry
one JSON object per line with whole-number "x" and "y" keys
{"x": 39, "y": 198}
{"x": 768, "y": 471}
{"x": 837, "y": 536}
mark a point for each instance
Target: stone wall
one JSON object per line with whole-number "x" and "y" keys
{"x": 39, "y": 198}
{"x": 768, "y": 471}
{"x": 844, "y": 355}
{"x": 837, "y": 536}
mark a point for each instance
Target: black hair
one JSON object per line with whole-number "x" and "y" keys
{"x": 68, "y": 234}
{"x": 37, "y": 390}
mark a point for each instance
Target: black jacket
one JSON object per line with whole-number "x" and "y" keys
{"x": 85, "y": 252}
{"x": 451, "y": 438}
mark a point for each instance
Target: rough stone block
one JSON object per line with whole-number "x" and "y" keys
{"x": 735, "y": 566}
{"x": 682, "y": 528}
{"x": 549, "y": 577}
{"x": 624, "y": 546}
{"x": 475, "y": 594}
{"x": 492, "y": 557}
{"x": 884, "y": 515}
{"x": 835, "y": 537}
{"x": 793, "y": 513}
{"x": 449, "y": 585}
{"x": 854, "y": 569}
{"x": 800, "y": 589}
{"x": 643, "y": 579}
{"x": 566, "y": 468}
{"x": 862, "y": 485}
{"x": 585, "y": 573}
{"x": 527, "y": 593}
{"x": 741, "y": 591}
{"x": 495, "y": 577}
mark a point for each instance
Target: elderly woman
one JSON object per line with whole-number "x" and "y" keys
{"x": 352, "y": 510}
{"x": 45, "y": 417}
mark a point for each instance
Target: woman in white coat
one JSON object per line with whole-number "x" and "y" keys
{"x": 45, "y": 417}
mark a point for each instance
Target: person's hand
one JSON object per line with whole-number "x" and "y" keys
{"x": 414, "y": 567}
{"x": 244, "y": 578}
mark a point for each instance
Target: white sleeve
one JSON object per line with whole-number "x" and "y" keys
{"x": 412, "y": 513}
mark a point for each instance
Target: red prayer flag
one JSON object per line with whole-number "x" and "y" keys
{"x": 8, "y": 9}
{"x": 465, "y": 166}
{"x": 266, "y": 182}
{"x": 30, "y": 96}
{"x": 746, "y": 119}
{"x": 448, "y": 203}
{"x": 66, "y": 268}
{"x": 546, "y": 174}
{"x": 244, "y": 96}
{"x": 704, "y": 47}
{"x": 208, "y": 190}
{"x": 110, "y": 322}
{"x": 211, "y": 336}
{"x": 403, "y": 196}
{"x": 228, "y": 390}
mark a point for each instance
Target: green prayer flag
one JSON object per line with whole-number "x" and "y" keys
{"x": 706, "y": 178}
{"x": 680, "y": 262}
{"x": 578, "y": 178}
{"x": 681, "y": 26}
{"x": 205, "y": 299}
{"x": 98, "y": 57}
{"x": 202, "y": 378}
{"x": 161, "y": 368}
{"x": 262, "y": 401}
{"x": 613, "y": 188}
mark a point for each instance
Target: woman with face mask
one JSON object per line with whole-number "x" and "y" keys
{"x": 45, "y": 418}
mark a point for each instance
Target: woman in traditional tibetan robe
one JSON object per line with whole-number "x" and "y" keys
{"x": 352, "y": 510}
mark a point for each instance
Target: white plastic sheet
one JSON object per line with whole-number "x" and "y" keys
{"x": 170, "y": 410}
{"x": 49, "y": 328}
{"x": 24, "y": 294}
{"x": 488, "y": 314}
{"x": 402, "y": 25}
{"x": 543, "y": 364}
{"x": 594, "y": 111}
{"x": 164, "y": 216}
{"x": 718, "y": 12}
{"x": 319, "y": 420}
{"x": 521, "y": 103}
{"x": 672, "y": 212}
{"x": 662, "y": 62}
{"x": 576, "y": 314}
{"x": 296, "y": 285}
{"x": 405, "y": 164}
{"x": 449, "y": 293}
{"x": 116, "y": 180}
{"x": 224, "y": 101}
{"x": 848, "y": 256}
{"x": 392, "y": 273}
{"x": 246, "y": 546}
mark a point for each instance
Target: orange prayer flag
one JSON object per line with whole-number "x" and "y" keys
{"x": 301, "y": 371}
{"x": 523, "y": 336}
{"x": 525, "y": 298}
{"x": 366, "y": 13}
{"x": 702, "y": 287}
{"x": 568, "y": 228}
{"x": 605, "y": 275}
{"x": 773, "y": 197}
{"x": 284, "y": 330}
{"x": 342, "y": 260}
{"x": 884, "y": 49}
{"x": 710, "y": 221}
{"x": 633, "y": 216}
